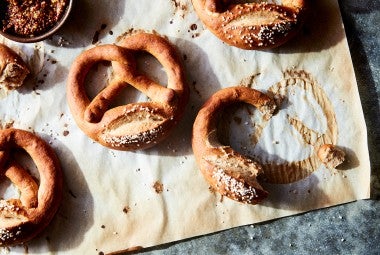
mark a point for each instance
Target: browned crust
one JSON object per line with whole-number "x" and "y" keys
{"x": 26, "y": 184}
{"x": 252, "y": 26}
{"x": 231, "y": 174}
{"x": 34, "y": 211}
{"x": 148, "y": 122}
{"x": 331, "y": 156}
{"x": 13, "y": 69}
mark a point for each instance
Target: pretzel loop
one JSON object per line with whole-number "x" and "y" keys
{"x": 23, "y": 218}
{"x": 166, "y": 55}
{"x": 135, "y": 125}
{"x": 252, "y": 25}
{"x": 228, "y": 172}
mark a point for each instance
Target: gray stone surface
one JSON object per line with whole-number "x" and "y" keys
{"x": 352, "y": 228}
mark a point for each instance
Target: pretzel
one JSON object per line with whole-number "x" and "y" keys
{"x": 251, "y": 25}
{"x": 228, "y": 172}
{"x": 13, "y": 69}
{"x": 136, "y": 125}
{"x": 24, "y": 218}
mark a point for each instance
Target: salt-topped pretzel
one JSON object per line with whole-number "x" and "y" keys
{"x": 228, "y": 172}
{"x": 136, "y": 125}
{"x": 252, "y": 25}
{"x": 13, "y": 69}
{"x": 21, "y": 219}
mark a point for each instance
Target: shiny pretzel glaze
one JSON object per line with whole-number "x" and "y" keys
{"x": 231, "y": 174}
{"x": 24, "y": 218}
{"x": 135, "y": 125}
{"x": 252, "y": 25}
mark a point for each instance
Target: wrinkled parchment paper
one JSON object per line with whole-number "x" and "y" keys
{"x": 116, "y": 200}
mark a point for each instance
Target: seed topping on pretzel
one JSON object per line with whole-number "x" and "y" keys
{"x": 252, "y": 25}
{"x": 228, "y": 172}
{"x": 118, "y": 132}
{"x": 135, "y": 125}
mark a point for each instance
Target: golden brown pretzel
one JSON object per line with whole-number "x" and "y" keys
{"x": 251, "y": 25}
{"x": 24, "y": 218}
{"x": 135, "y": 125}
{"x": 13, "y": 69}
{"x": 231, "y": 174}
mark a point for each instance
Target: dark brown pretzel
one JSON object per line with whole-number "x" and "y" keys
{"x": 136, "y": 125}
{"x": 24, "y": 218}
{"x": 251, "y": 25}
{"x": 231, "y": 174}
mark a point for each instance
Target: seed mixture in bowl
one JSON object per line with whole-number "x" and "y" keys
{"x": 30, "y": 17}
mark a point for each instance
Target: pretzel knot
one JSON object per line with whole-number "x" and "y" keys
{"x": 228, "y": 172}
{"x": 252, "y": 25}
{"x": 23, "y": 218}
{"x": 135, "y": 125}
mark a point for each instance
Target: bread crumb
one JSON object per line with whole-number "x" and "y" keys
{"x": 158, "y": 187}
{"x": 331, "y": 156}
{"x": 126, "y": 209}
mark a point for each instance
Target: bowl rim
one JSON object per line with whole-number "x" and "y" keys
{"x": 48, "y": 33}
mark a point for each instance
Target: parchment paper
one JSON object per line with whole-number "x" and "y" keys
{"x": 117, "y": 200}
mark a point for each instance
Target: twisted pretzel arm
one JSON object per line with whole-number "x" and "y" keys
{"x": 100, "y": 104}
{"x": 153, "y": 90}
{"x": 77, "y": 96}
{"x": 24, "y": 182}
{"x": 166, "y": 54}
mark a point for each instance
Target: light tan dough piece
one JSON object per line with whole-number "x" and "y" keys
{"x": 136, "y": 125}
{"x": 254, "y": 25}
{"x": 331, "y": 156}
{"x": 24, "y": 218}
{"x": 228, "y": 172}
{"x": 13, "y": 69}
